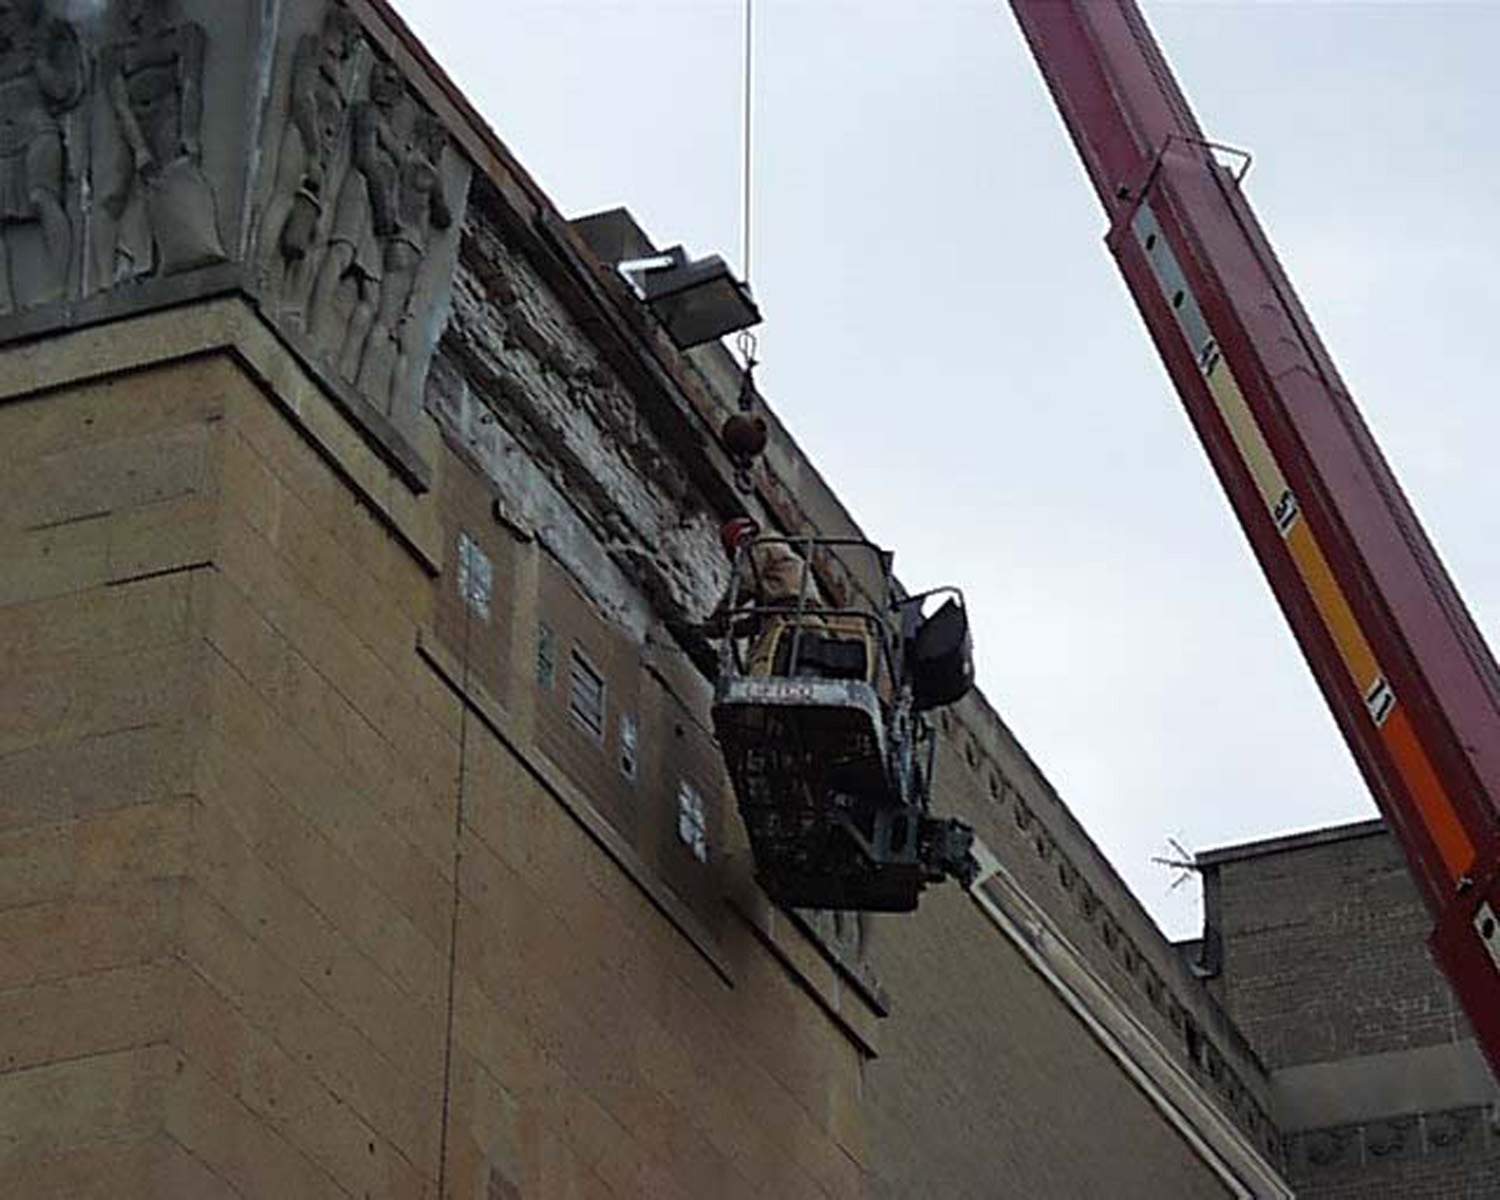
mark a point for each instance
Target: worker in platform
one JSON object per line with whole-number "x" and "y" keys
{"x": 769, "y": 580}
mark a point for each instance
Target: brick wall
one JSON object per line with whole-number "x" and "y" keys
{"x": 1321, "y": 945}
{"x": 1324, "y": 952}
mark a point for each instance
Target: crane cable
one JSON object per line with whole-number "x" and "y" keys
{"x": 746, "y": 341}
{"x": 744, "y": 436}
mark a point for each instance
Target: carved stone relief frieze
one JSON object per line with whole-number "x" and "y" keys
{"x": 309, "y": 159}
{"x": 157, "y": 151}
{"x": 42, "y": 78}
{"x": 1453, "y": 1131}
{"x": 126, "y": 137}
{"x": 158, "y": 211}
{"x": 1408, "y": 1136}
{"x": 1395, "y": 1138}
{"x": 172, "y": 115}
{"x": 358, "y": 228}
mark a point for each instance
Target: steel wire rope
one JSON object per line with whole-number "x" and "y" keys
{"x": 747, "y": 341}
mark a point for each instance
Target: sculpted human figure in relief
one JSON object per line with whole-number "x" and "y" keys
{"x": 302, "y": 196}
{"x": 41, "y": 76}
{"x": 392, "y": 354}
{"x": 161, "y": 204}
{"x": 346, "y": 297}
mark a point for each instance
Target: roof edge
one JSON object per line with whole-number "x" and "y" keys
{"x": 1286, "y": 842}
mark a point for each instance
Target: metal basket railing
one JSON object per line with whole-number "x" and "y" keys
{"x": 876, "y": 616}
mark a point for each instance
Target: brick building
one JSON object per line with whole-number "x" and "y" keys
{"x": 362, "y": 833}
{"x": 1316, "y": 946}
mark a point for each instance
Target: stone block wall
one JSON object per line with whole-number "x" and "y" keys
{"x": 286, "y": 917}
{"x": 1012, "y": 1095}
{"x": 101, "y": 592}
{"x": 362, "y": 831}
{"x": 986, "y": 776}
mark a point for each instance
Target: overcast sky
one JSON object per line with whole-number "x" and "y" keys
{"x": 951, "y": 344}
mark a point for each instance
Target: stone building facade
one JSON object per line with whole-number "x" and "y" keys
{"x": 362, "y": 831}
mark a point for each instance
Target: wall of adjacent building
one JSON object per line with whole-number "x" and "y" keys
{"x": 1319, "y": 941}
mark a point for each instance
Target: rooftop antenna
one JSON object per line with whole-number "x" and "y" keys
{"x": 1181, "y": 861}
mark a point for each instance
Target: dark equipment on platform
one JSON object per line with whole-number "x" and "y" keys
{"x": 823, "y": 732}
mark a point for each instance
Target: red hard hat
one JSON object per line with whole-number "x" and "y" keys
{"x": 736, "y": 530}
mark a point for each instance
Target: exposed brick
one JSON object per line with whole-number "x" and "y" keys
{"x": 1325, "y": 953}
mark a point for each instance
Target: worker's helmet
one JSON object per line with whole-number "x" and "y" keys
{"x": 737, "y": 530}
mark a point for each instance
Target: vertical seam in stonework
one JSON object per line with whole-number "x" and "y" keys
{"x": 458, "y": 835}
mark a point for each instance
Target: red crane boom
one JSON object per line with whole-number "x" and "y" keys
{"x": 1401, "y": 663}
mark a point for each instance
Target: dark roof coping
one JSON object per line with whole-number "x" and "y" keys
{"x": 1290, "y": 841}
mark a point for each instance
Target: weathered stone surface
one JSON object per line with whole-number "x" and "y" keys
{"x": 161, "y": 111}
{"x": 312, "y": 150}
{"x": 359, "y": 213}
{"x": 521, "y": 389}
{"x": 153, "y": 151}
{"x": 42, "y": 79}
{"x": 381, "y": 911}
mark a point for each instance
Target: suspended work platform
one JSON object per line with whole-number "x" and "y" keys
{"x": 819, "y": 713}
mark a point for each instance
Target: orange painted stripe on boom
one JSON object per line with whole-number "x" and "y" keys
{"x": 1381, "y": 703}
{"x": 1396, "y": 731}
{"x": 1427, "y": 790}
